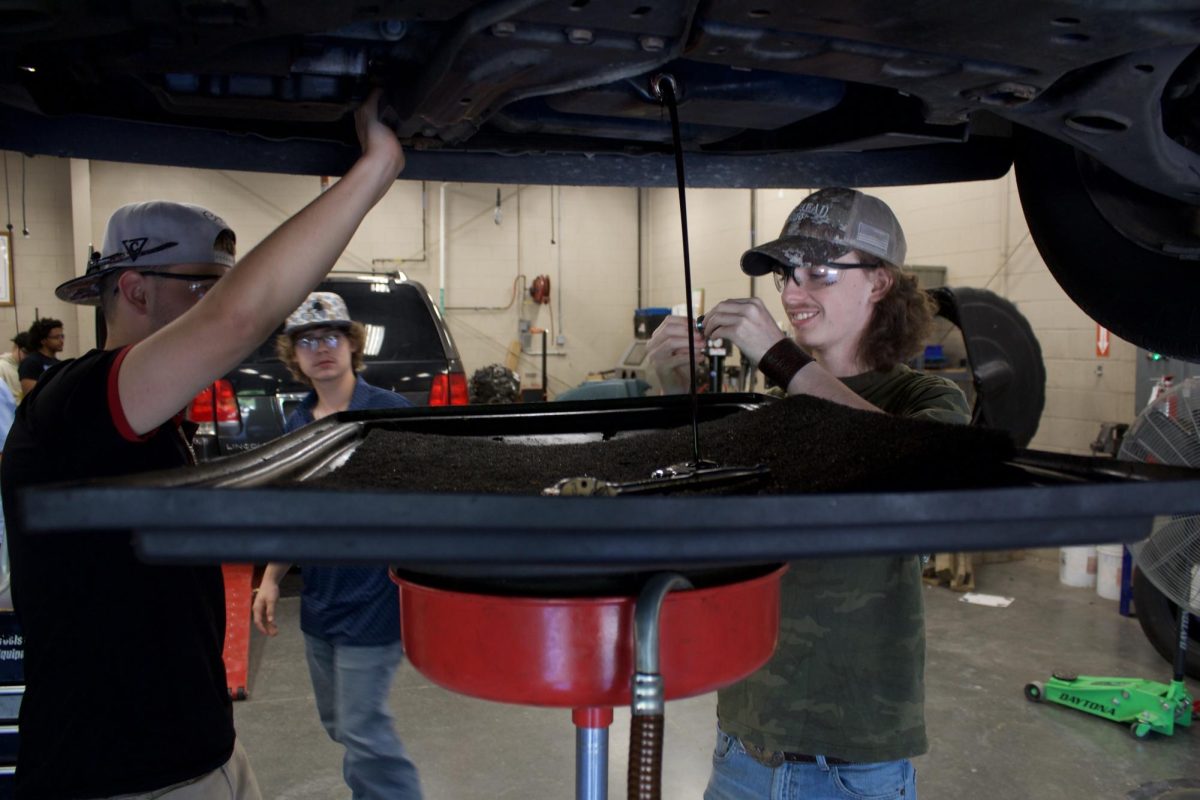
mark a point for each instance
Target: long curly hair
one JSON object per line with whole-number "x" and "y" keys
{"x": 900, "y": 322}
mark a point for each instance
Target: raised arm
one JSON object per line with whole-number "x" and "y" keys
{"x": 164, "y": 371}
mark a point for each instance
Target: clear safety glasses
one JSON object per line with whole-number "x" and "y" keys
{"x": 198, "y": 285}
{"x": 815, "y": 276}
{"x": 310, "y": 342}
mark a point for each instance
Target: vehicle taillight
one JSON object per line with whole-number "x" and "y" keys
{"x": 449, "y": 389}
{"x": 226, "y": 405}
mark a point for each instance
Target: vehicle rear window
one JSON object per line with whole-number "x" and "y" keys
{"x": 400, "y": 326}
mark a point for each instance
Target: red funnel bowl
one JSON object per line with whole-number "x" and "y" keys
{"x": 577, "y": 652}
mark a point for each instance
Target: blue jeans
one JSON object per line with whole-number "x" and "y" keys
{"x": 737, "y": 776}
{"x": 351, "y": 685}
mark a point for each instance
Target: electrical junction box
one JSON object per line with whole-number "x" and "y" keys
{"x": 524, "y": 335}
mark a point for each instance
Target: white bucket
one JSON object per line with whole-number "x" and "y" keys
{"x": 1077, "y": 566}
{"x": 1108, "y": 571}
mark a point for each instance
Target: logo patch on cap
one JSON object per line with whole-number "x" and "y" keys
{"x": 817, "y": 213}
{"x": 133, "y": 247}
{"x": 872, "y": 237}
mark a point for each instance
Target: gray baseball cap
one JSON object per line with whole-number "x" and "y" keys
{"x": 826, "y": 225}
{"x": 157, "y": 233}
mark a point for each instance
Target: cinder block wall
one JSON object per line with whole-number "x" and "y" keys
{"x": 977, "y": 231}
{"x": 719, "y": 231}
{"x": 583, "y": 240}
{"x": 587, "y": 241}
{"x": 43, "y": 259}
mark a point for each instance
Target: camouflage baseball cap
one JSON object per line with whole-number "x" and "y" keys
{"x": 826, "y": 225}
{"x": 319, "y": 310}
{"x": 152, "y": 234}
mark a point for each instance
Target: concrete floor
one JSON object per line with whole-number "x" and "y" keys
{"x": 987, "y": 741}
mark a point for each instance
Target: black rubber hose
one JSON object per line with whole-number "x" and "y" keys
{"x": 645, "y": 757}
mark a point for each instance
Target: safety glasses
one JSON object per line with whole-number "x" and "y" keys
{"x": 198, "y": 285}
{"x": 310, "y": 342}
{"x": 815, "y": 276}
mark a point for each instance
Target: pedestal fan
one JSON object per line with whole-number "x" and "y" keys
{"x": 1166, "y": 432}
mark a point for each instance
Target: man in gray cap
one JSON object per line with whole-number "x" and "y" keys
{"x": 125, "y": 686}
{"x": 839, "y": 709}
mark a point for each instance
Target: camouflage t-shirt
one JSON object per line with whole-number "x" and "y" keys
{"x": 847, "y": 679}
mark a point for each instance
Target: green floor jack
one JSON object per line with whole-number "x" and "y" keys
{"x": 1144, "y": 706}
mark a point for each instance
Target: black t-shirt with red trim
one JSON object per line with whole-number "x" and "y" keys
{"x": 125, "y": 688}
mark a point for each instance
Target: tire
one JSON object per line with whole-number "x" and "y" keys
{"x": 1159, "y": 618}
{"x": 494, "y": 384}
{"x": 1034, "y": 692}
{"x": 1126, "y": 279}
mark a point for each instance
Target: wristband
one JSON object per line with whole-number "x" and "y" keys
{"x": 782, "y": 361}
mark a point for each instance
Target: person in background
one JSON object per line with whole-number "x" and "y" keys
{"x": 46, "y": 341}
{"x": 350, "y": 616}
{"x": 10, "y": 363}
{"x": 125, "y": 691}
{"x": 8, "y": 409}
{"x": 838, "y": 711}
{"x": 10, "y": 395}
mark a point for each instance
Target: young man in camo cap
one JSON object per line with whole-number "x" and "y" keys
{"x": 125, "y": 686}
{"x": 839, "y": 709}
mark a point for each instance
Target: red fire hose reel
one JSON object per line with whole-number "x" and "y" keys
{"x": 580, "y": 653}
{"x": 539, "y": 292}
